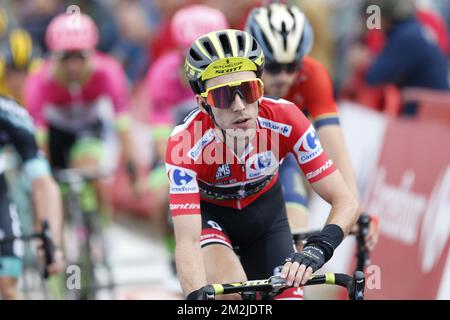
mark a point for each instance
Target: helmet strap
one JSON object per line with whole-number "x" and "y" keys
{"x": 208, "y": 110}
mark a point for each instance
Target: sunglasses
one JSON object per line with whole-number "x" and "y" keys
{"x": 275, "y": 68}
{"x": 66, "y": 55}
{"x": 222, "y": 96}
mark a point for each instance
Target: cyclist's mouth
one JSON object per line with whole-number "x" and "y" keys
{"x": 242, "y": 123}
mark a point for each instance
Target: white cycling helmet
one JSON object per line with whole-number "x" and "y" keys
{"x": 283, "y": 32}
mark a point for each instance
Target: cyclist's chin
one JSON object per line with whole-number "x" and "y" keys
{"x": 241, "y": 134}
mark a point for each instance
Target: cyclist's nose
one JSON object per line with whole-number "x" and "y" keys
{"x": 238, "y": 103}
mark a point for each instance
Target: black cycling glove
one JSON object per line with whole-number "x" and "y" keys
{"x": 312, "y": 256}
{"x": 319, "y": 249}
{"x": 204, "y": 293}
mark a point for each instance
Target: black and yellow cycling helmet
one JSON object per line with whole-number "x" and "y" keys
{"x": 17, "y": 50}
{"x": 222, "y": 52}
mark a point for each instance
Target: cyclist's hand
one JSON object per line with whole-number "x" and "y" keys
{"x": 300, "y": 265}
{"x": 373, "y": 234}
{"x": 58, "y": 264}
{"x": 204, "y": 293}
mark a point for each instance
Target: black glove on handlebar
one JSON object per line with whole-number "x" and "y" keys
{"x": 311, "y": 256}
{"x": 319, "y": 249}
{"x": 204, "y": 293}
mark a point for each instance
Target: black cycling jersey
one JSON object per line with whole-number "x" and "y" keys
{"x": 17, "y": 131}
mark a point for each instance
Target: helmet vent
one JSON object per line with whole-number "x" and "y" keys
{"x": 284, "y": 34}
{"x": 255, "y": 45}
{"x": 223, "y": 38}
{"x": 240, "y": 41}
{"x": 208, "y": 48}
{"x": 194, "y": 55}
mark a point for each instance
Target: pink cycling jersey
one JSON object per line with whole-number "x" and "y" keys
{"x": 201, "y": 167}
{"x": 166, "y": 91}
{"x": 71, "y": 107}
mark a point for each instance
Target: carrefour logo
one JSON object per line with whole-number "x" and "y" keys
{"x": 264, "y": 163}
{"x": 180, "y": 177}
{"x": 308, "y": 146}
{"x": 182, "y": 180}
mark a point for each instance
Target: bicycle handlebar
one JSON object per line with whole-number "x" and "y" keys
{"x": 73, "y": 175}
{"x": 275, "y": 284}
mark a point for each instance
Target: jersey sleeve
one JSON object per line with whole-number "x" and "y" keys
{"x": 318, "y": 96}
{"x": 303, "y": 142}
{"x": 19, "y": 127}
{"x": 184, "y": 195}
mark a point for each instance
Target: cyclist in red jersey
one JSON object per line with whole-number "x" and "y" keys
{"x": 222, "y": 162}
{"x": 286, "y": 38}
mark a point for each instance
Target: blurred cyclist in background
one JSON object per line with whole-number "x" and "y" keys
{"x": 17, "y": 131}
{"x": 77, "y": 97}
{"x": 286, "y": 38}
{"x": 17, "y": 58}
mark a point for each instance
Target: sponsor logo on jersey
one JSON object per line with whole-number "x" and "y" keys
{"x": 214, "y": 225}
{"x": 316, "y": 172}
{"x": 223, "y": 171}
{"x": 278, "y": 127}
{"x": 198, "y": 147}
{"x": 185, "y": 206}
{"x": 308, "y": 146}
{"x": 182, "y": 180}
{"x": 261, "y": 164}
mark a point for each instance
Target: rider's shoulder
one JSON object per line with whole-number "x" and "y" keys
{"x": 14, "y": 113}
{"x": 278, "y": 109}
{"x": 275, "y": 103}
{"x": 194, "y": 121}
{"x": 313, "y": 68}
{"x": 104, "y": 63}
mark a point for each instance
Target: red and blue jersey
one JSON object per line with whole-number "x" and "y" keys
{"x": 201, "y": 167}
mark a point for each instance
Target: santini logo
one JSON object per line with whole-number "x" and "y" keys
{"x": 185, "y": 206}
{"x": 315, "y": 173}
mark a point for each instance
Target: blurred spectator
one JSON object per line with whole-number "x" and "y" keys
{"x": 411, "y": 57}
{"x": 131, "y": 47}
{"x": 35, "y": 15}
{"x": 319, "y": 16}
{"x": 162, "y": 40}
{"x": 235, "y": 11}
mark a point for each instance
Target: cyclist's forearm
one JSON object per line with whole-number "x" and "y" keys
{"x": 344, "y": 207}
{"x": 344, "y": 211}
{"x": 334, "y": 144}
{"x": 48, "y": 206}
{"x": 190, "y": 267}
